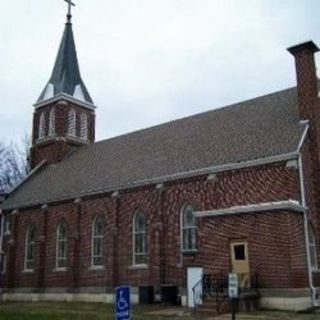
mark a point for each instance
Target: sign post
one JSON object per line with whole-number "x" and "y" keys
{"x": 123, "y": 303}
{"x": 233, "y": 291}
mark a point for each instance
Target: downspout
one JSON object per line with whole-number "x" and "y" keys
{"x": 306, "y": 230}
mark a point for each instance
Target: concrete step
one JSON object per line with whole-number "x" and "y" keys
{"x": 214, "y": 306}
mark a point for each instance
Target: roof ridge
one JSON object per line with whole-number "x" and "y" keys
{"x": 239, "y": 103}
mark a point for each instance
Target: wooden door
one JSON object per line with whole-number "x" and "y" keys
{"x": 240, "y": 262}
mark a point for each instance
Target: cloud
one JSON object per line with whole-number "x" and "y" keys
{"x": 150, "y": 61}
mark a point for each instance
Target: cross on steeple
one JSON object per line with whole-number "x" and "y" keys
{"x": 70, "y": 4}
{"x": 65, "y": 78}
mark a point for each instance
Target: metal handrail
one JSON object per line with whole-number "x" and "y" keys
{"x": 197, "y": 293}
{"x": 215, "y": 285}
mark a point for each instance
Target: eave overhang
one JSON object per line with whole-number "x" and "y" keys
{"x": 66, "y": 97}
{"x": 290, "y": 205}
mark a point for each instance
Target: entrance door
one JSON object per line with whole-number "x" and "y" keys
{"x": 194, "y": 277}
{"x": 240, "y": 262}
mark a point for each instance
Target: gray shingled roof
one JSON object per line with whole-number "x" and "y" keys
{"x": 66, "y": 76}
{"x": 263, "y": 127}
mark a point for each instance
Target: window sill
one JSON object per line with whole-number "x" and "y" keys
{"x": 96, "y": 268}
{"x": 190, "y": 252}
{"x": 45, "y": 139}
{"x": 60, "y": 270}
{"x": 76, "y": 138}
{"x": 28, "y": 271}
{"x": 139, "y": 267}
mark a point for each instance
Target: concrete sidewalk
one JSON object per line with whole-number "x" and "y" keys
{"x": 179, "y": 313}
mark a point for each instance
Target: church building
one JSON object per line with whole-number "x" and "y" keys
{"x": 171, "y": 209}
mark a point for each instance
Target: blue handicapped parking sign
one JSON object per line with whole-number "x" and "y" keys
{"x": 123, "y": 303}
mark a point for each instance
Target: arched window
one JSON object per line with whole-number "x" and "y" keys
{"x": 61, "y": 246}
{"x": 42, "y": 126}
{"x": 52, "y": 122}
{"x": 7, "y": 225}
{"x": 97, "y": 241}
{"x": 72, "y": 123}
{"x": 188, "y": 229}
{"x": 3, "y": 266}
{"x": 139, "y": 239}
{"x": 313, "y": 249}
{"x": 29, "y": 249}
{"x": 84, "y": 126}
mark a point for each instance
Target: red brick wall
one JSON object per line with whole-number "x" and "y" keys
{"x": 54, "y": 150}
{"x": 91, "y": 209}
{"x": 254, "y": 185}
{"x": 66, "y": 213}
{"x": 270, "y": 238}
{"x": 147, "y": 201}
{"x": 311, "y": 175}
{"x": 276, "y": 240}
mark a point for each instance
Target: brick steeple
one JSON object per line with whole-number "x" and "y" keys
{"x": 64, "y": 116}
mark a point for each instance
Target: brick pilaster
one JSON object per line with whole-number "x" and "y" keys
{"x": 42, "y": 249}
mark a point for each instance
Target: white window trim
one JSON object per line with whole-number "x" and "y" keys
{"x": 93, "y": 237}
{"x": 26, "y": 269}
{"x": 134, "y": 264}
{"x": 72, "y": 123}
{"x": 313, "y": 248}
{"x": 182, "y": 228}
{"x": 138, "y": 267}
{"x": 52, "y": 122}
{"x": 42, "y": 126}
{"x": 57, "y": 268}
{"x": 7, "y": 226}
{"x": 61, "y": 269}
{"x": 84, "y": 126}
{"x": 96, "y": 268}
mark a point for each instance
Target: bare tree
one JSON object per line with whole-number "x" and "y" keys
{"x": 13, "y": 164}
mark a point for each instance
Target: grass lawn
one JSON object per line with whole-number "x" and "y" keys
{"x": 95, "y": 311}
{"x": 70, "y": 311}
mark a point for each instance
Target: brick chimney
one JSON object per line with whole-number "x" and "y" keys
{"x": 309, "y": 107}
{"x": 306, "y": 78}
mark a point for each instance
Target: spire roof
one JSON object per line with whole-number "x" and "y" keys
{"x": 66, "y": 78}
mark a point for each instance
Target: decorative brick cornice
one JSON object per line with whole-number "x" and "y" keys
{"x": 65, "y": 97}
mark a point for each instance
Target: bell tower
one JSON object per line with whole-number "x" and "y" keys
{"x": 64, "y": 114}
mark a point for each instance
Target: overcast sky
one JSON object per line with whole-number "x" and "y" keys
{"x": 150, "y": 61}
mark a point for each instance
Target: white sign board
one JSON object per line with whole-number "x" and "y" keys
{"x": 233, "y": 285}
